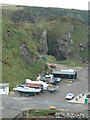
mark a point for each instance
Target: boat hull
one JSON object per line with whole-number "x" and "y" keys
{"x": 52, "y": 88}
{"x": 27, "y": 90}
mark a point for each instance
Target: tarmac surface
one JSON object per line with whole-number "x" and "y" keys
{"x": 12, "y": 105}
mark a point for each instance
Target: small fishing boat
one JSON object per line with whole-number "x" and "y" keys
{"x": 52, "y": 80}
{"x": 27, "y": 90}
{"x": 55, "y": 81}
{"x": 46, "y": 78}
{"x": 52, "y": 88}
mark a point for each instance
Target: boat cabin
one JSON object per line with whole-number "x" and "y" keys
{"x": 34, "y": 85}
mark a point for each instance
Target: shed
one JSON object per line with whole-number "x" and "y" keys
{"x": 4, "y": 88}
{"x": 68, "y": 74}
{"x": 43, "y": 58}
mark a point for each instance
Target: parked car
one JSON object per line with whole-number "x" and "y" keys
{"x": 69, "y": 96}
{"x": 53, "y": 66}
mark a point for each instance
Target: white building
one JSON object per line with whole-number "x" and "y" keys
{"x": 4, "y": 88}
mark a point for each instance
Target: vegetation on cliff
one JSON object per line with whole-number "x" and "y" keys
{"x": 29, "y": 32}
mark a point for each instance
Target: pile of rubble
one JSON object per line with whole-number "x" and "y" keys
{"x": 71, "y": 116}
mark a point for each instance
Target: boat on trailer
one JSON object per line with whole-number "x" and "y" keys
{"x": 43, "y": 85}
{"x": 26, "y": 90}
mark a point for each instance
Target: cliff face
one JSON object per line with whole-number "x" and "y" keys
{"x": 62, "y": 37}
{"x": 43, "y": 43}
{"x": 24, "y": 40}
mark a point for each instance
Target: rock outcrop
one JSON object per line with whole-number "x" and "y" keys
{"x": 43, "y": 42}
{"x": 25, "y": 53}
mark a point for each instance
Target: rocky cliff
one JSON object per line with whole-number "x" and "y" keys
{"x": 24, "y": 40}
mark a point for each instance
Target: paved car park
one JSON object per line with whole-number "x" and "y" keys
{"x": 12, "y": 105}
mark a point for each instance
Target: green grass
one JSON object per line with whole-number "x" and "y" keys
{"x": 71, "y": 63}
{"x": 50, "y": 59}
{"x": 31, "y": 34}
{"x": 19, "y": 70}
{"x": 41, "y": 112}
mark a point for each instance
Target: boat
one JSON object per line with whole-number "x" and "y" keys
{"x": 51, "y": 80}
{"x": 47, "y": 80}
{"x": 52, "y": 88}
{"x": 27, "y": 90}
{"x": 49, "y": 76}
{"x": 36, "y": 83}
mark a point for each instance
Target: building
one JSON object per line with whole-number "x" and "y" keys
{"x": 43, "y": 58}
{"x": 68, "y": 74}
{"x": 4, "y": 88}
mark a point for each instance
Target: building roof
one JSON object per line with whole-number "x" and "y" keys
{"x": 69, "y": 71}
{"x": 4, "y": 85}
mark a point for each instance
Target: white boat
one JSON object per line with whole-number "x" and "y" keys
{"x": 49, "y": 76}
{"x": 26, "y": 90}
{"x": 45, "y": 86}
{"x": 52, "y": 80}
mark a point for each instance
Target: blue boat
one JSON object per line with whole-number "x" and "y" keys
{"x": 52, "y": 88}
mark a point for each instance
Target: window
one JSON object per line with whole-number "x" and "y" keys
{"x": 3, "y": 88}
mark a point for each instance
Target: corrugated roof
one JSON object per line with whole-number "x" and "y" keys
{"x": 68, "y": 72}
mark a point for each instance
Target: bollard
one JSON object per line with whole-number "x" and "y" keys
{"x": 86, "y": 100}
